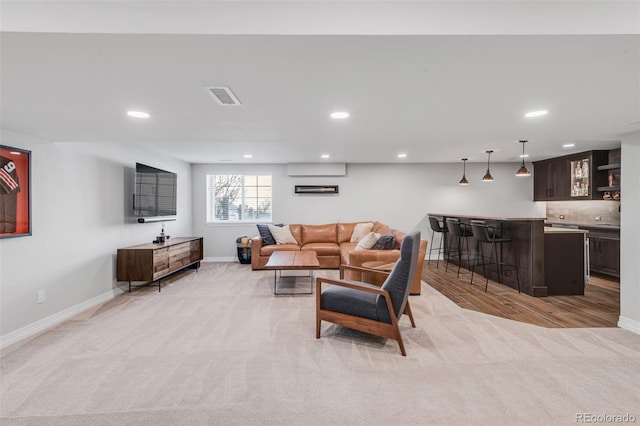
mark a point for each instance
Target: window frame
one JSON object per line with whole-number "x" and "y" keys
{"x": 211, "y": 198}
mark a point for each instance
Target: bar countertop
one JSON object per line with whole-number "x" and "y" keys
{"x": 557, "y": 230}
{"x": 501, "y": 218}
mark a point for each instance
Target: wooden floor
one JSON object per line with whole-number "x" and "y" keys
{"x": 599, "y": 307}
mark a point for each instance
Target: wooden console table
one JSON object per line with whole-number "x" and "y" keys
{"x": 151, "y": 262}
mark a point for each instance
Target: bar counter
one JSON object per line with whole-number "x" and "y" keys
{"x": 528, "y": 238}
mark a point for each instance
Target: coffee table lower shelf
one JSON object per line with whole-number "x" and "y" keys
{"x": 292, "y": 261}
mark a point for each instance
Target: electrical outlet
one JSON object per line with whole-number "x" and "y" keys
{"x": 42, "y": 296}
{"x": 598, "y": 218}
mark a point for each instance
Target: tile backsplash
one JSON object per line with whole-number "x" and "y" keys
{"x": 584, "y": 212}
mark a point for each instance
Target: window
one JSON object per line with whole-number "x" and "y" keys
{"x": 238, "y": 198}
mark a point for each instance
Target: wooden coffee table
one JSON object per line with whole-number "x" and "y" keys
{"x": 290, "y": 261}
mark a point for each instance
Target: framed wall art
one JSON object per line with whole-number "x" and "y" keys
{"x": 15, "y": 192}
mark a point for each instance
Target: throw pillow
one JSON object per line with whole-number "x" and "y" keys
{"x": 367, "y": 241}
{"x": 282, "y": 234}
{"x": 385, "y": 242}
{"x": 267, "y": 238}
{"x": 360, "y": 230}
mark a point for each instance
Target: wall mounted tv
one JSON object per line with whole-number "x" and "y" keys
{"x": 155, "y": 195}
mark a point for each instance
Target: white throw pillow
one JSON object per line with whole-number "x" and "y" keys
{"x": 368, "y": 241}
{"x": 282, "y": 234}
{"x": 360, "y": 230}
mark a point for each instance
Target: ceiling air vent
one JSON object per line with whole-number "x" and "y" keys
{"x": 223, "y": 95}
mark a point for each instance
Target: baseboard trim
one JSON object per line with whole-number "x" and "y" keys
{"x": 55, "y": 319}
{"x": 220, "y": 259}
{"x": 629, "y": 324}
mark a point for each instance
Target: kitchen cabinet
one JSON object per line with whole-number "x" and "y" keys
{"x": 551, "y": 180}
{"x": 571, "y": 177}
{"x": 604, "y": 251}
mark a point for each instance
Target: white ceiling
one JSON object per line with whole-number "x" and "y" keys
{"x": 435, "y": 80}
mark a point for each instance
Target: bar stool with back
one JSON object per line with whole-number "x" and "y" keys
{"x": 461, "y": 233}
{"x": 434, "y": 222}
{"x": 486, "y": 234}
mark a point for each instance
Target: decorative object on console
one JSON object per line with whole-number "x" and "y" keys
{"x": 616, "y": 195}
{"x": 464, "y": 180}
{"x": 606, "y": 196}
{"x": 282, "y": 234}
{"x": 523, "y": 171}
{"x": 487, "y": 176}
{"x": 360, "y": 230}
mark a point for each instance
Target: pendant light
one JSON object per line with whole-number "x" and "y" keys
{"x": 464, "y": 180}
{"x": 487, "y": 176}
{"x": 523, "y": 171}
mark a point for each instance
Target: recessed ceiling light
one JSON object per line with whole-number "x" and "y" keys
{"x": 325, "y": 156}
{"x": 339, "y": 114}
{"x": 536, "y": 113}
{"x": 402, "y": 155}
{"x": 568, "y": 145}
{"x": 524, "y": 155}
{"x": 248, "y": 156}
{"x": 138, "y": 114}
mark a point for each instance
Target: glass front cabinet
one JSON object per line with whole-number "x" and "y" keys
{"x": 580, "y": 177}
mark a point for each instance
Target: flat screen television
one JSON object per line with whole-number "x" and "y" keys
{"x": 155, "y": 195}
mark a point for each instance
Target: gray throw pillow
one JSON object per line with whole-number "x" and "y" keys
{"x": 385, "y": 242}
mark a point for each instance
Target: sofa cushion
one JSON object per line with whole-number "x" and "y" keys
{"x": 368, "y": 241}
{"x": 360, "y": 231}
{"x": 345, "y": 249}
{"x": 282, "y": 234}
{"x": 344, "y": 231}
{"x": 319, "y": 234}
{"x": 381, "y": 228}
{"x": 385, "y": 242}
{"x": 296, "y": 231}
{"x": 323, "y": 249}
{"x": 268, "y": 250}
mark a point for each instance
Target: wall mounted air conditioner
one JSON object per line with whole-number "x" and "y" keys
{"x": 316, "y": 169}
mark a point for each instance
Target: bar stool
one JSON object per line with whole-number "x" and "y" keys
{"x": 460, "y": 232}
{"x": 434, "y": 222}
{"x": 485, "y": 234}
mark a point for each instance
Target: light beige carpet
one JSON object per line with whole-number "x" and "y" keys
{"x": 216, "y": 347}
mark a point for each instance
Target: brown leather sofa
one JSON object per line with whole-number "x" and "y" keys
{"x": 332, "y": 244}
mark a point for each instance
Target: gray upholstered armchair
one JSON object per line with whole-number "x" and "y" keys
{"x": 367, "y": 307}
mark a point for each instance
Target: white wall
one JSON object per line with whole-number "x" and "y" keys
{"x": 80, "y": 216}
{"x": 399, "y": 195}
{"x": 630, "y": 234}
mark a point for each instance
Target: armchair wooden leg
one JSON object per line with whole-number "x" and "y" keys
{"x": 407, "y": 311}
{"x": 399, "y": 339}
